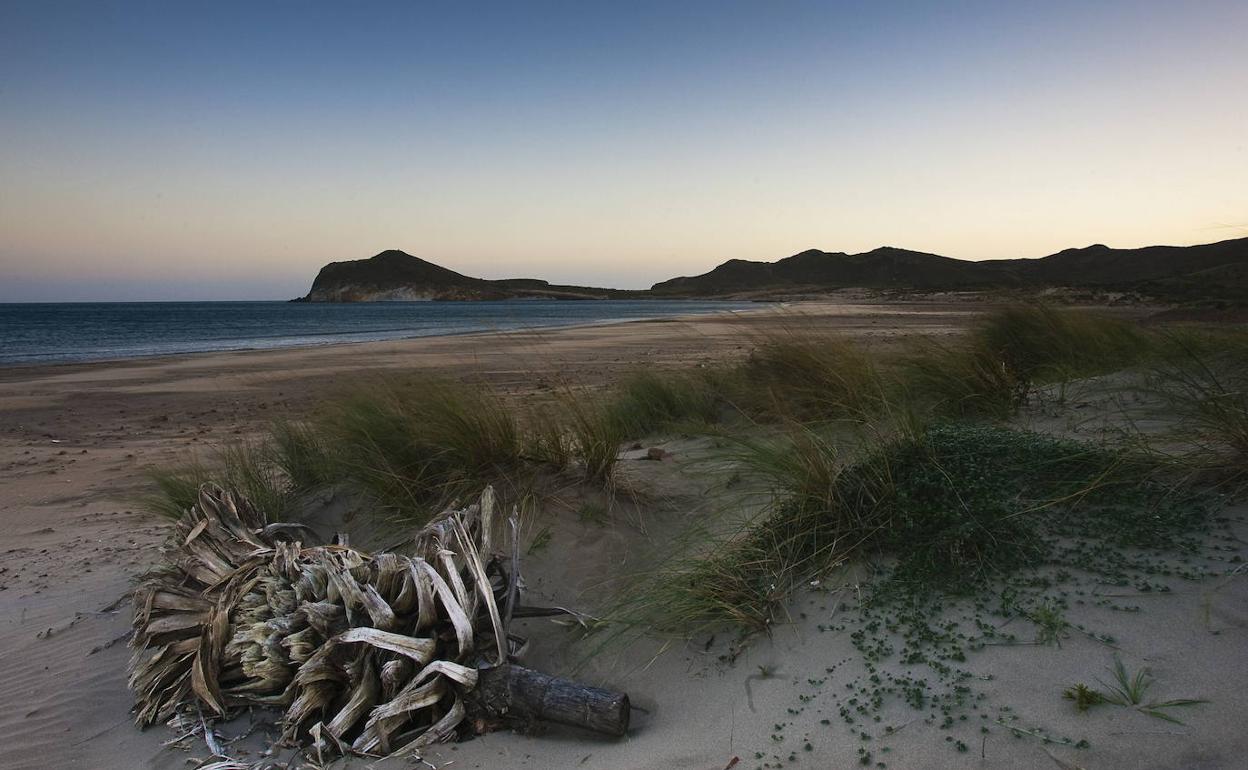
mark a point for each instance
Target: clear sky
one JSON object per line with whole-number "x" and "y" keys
{"x": 176, "y": 150}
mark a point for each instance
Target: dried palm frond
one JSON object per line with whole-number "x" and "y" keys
{"x": 370, "y": 653}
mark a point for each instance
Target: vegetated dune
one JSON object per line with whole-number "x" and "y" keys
{"x": 771, "y": 699}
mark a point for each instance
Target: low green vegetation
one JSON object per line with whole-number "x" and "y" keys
{"x": 1127, "y": 690}
{"x": 647, "y": 403}
{"x": 1206, "y": 384}
{"x": 954, "y": 505}
{"x": 899, "y": 466}
{"x": 795, "y": 376}
{"x": 249, "y": 468}
{"x": 406, "y": 448}
{"x": 1010, "y": 351}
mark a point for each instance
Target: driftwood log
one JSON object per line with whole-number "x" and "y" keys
{"x": 516, "y": 696}
{"x": 368, "y": 653}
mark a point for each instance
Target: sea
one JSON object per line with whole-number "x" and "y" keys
{"x": 36, "y": 333}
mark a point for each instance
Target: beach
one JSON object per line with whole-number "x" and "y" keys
{"x": 76, "y": 438}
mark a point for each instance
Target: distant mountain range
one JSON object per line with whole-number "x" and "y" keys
{"x": 1208, "y": 271}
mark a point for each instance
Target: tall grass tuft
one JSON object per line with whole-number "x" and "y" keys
{"x": 1038, "y": 343}
{"x": 247, "y": 468}
{"x": 954, "y": 504}
{"x": 596, "y": 434}
{"x": 414, "y": 447}
{"x": 302, "y": 453}
{"x": 174, "y": 490}
{"x": 958, "y": 380}
{"x": 648, "y": 402}
{"x": 1010, "y": 350}
{"x": 791, "y": 374}
{"x": 1208, "y": 388}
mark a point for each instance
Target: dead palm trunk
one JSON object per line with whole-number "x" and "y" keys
{"x": 369, "y": 653}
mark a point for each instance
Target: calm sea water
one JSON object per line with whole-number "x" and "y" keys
{"x": 46, "y": 332}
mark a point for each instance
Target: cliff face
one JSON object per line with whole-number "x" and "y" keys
{"x": 395, "y": 276}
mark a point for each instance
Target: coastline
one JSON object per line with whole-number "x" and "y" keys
{"x": 406, "y": 335}
{"x": 75, "y": 440}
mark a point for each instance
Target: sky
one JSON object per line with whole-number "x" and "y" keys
{"x": 188, "y": 151}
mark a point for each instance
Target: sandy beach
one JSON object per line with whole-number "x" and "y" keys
{"x": 74, "y": 440}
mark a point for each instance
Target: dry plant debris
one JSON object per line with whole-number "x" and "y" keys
{"x": 365, "y": 653}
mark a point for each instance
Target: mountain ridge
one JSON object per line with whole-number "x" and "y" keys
{"x": 394, "y": 275}
{"x": 890, "y": 267}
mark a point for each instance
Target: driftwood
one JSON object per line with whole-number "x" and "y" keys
{"x": 370, "y": 653}
{"x": 514, "y": 695}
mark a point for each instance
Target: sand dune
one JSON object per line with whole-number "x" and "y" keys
{"x": 74, "y": 440}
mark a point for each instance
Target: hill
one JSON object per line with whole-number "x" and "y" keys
{"x": 395, "y": 275}
{"x": 1152, "y": 269}
{"x": 1213, "y": 272}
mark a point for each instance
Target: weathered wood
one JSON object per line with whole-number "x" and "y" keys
{"x": 514, "y": 694}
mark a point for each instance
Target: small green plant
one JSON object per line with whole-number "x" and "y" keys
{"x": 540, "y": 540}
{"x": 591, "y": 512}
{"x": 1127, "y": 690}
{"x": 1084, "y": 697}
{"x": 1051, "y": 624}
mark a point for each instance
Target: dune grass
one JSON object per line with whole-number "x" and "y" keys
{"x": 1205, "y": 382}
{"x": 1010, "y": 350}
{"x": 596, "y": 433}
{"x": 302, "y": 453}
{"x": 1041, "y": 343}
{"x": 953, "y": 505}
{"x": 246, "y": 467}
{"x": 407, "y": 449}
{"x": 649, "y": 402}
{"x": 412, "y": 447}
{"x": 796, "y": 375}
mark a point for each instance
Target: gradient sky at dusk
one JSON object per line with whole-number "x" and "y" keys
{"x": 172, "y": 150}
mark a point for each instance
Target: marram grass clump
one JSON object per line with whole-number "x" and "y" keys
{"x": 405, "y": 448}
{"x": 1010, "y": 350}
{"x": 952, "y": 506}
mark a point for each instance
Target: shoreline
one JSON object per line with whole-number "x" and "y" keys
{"x": 76, "y": 439}
{"x": 6, "y": 367}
